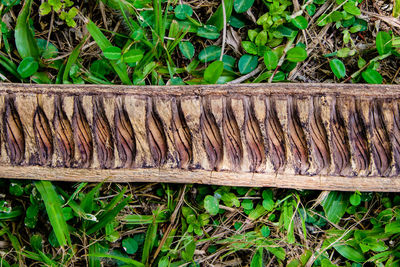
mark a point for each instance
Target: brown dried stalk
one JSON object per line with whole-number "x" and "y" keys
{"x": 319, "y": 138}
{"x": 102, "y": 135}
{"x": 340, "y": 141}
{"x": 63, "y": 133}
{"x": 254, "y": 138}
{"x": 124, "y": 136}
{"x": 297, "y": 138}
{"x": 275, "y": 136}
{"x": 155, "y": 134}
{"x": 13, "y": 133}
{"x": 181, "y": 135}
{"x": 212, "y": 139}
{"x": 231, "y": 132}
{"x": 82, "y": 134}
{"x": 43, "y": 136}
{"x": 380, "y": 143}
{"x": 358, "y": 138}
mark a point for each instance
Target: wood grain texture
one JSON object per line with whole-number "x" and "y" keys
{"x": 235, "y": 135}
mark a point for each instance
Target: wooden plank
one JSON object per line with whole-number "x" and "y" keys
{"x": 303, "y": 136}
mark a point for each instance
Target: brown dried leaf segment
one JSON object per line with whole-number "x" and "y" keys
{"x": 396, "y": 135}
{"x": 275, "y": 136}
{"x": 319, "y": 138}
{"x": 103, "y": 135}
{"x": 13, "y": 132}
{"x": 339, "y": 140}
{"x": 124, "y": 136}
{"x": 63, "y": 133}
{"x": 82, "y": 134}
{"x": 212, "y": 139}
{"x": 358, "y": 138}
{"x": 254, "y": 138}
{"x": 380, "y": 143}
{"x": 231, "y": 133}
{"x": 181, "y": 135}
{"x": 297, "y": 138}
{"x": 155, "y": 134}
{"x": 43, "y": 136}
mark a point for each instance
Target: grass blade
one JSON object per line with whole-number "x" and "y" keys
{"x": 120, "y": 68}
{"x": 72, "y": 59}
{"x": 54, "y": 211}
{"x": 123, "y": 259}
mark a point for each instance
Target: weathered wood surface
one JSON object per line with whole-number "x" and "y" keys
{"x": 303, "y": 136}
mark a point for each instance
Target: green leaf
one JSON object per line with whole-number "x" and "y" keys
{"x": 396, "y": 8}
{"x": 265, "y": 231}
{"x": 350, "y": 253}
{"x": 351, "y": 8}
{"x": 247, "y": 63}
{"x": 130, "y": 245}
{"x": 249, "y": 47}
{"x": 229, "y": 62}
{"x": 132, "y": 56}
{"x": 383, "y": 43}
{"x": 54, "y": 211}
{"x": 210, "y": 53}
{"x": 187, "y": 49}
{"x": 257, "y": 260}
{"x": 44, "y": 8}
{"x": 335, "y": 205}
{"x": 270, "y": 60}
{"x": 355, "y": 199}
{"x": 211, "y": 204}
{"x": 300, "y": 22}
{"x": 208, "y": 31}
{"x": 242, "y": 5}
{"x": 183, "y": 11}
{"x": 126, "y": 260}
{"x": 338, "y": 68}
{"x": 217, "y": 19}
{"x": 213, "y": 71}
{"x": 24, "y": 39}
{"x": 296, "y": 54}
{"x": 372, "y": 76}
{"x": 393, "y": 227}
{"x": 112, "y": 53}
{"x": 27, "y": 67}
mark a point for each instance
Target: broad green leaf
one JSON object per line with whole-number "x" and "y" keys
{"x": 24, "y": 39}
{"x": 396, "y": 8}
{"x": 53, "y": 207}
{"x": 132, "y": 56}
{"x": 335, "y": 205}
{"x": 27, "y": 67}
{"x": 229, "y": 62}
{"x": 383, "y": 43}
{"x": 372, "y": 76}
{"x": 187, "y": 49}
{"x": 208, "y": 31}
{"x": 355, "y": 199}
{"x": 300, "y": 22}
{"x": 257, "y": 260}
{"x": 296, "y": 54}
{"x": 265, "y": 231}
{"x": 210, "y": 53}
{"x": 242, "y": 5}
{"x": 393, "y": 227}
{"x": 211, "y": 204}
{"x": 112, "y": 53}
{"x": 247, "y": 63}
{"x": 270, "y": 60}
{"x": 213, "y": 71}
{"x": 183, "y": 11}
{"x": 46, "y": 50}
{"x": 130, "y": 245}
{"x": 338, "y": 68}
{"x": 351, "y": 8}
{"x": 350, "y": 253}
{"x": 217, "y": 19}
{"x": 249, "y": 47}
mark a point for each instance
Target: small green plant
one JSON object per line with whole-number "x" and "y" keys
{"x": 63, "y": 8}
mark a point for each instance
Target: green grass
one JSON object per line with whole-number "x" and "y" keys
{"x": 169, "y": 42}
